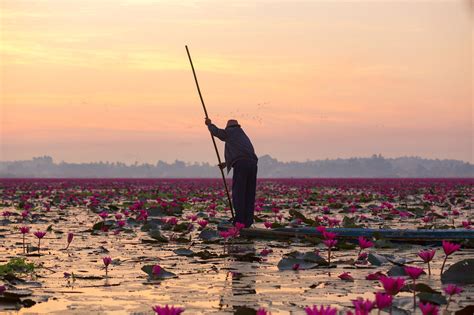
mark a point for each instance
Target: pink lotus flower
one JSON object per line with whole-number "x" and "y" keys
{"x": 375, "y": 276}
{"x": 427, "y": 256}
{"x": 267, "y": 224}
{"x": 362, "y": 256}
{"x": 364, "y": 243}
{"x": 321, "y": 311}
{"x": 262, "y": 311}
{"x": 192, "y": 217}
{"x": 413, "y": 272}
{"x": 295, "y": 267}
{"x": 265, "y": 252}
{"x": 429, "y": 309}
{"x": 330, "y": 243}
{"x": 39, "y": 235}
{"x": 321, "y": 229}
{"x": 121, "y": 223}
{"x": 224, "y": 234}
{"x": 239, "y": 226}
{"x": 172, "y": 221}
{"x": 202, "y": 223}
{"x": 451, "y": 289}
{"x": 346, "y": 277}
{"x": 329, "y": 235}
{"x": 103, "y": 215}
{"x": 156, "y": 270}
{"x": 383, "y": 300}
{"x": 392, "y": 285}
{"x": 24, "y": 230}
{"x": 106, "y": 261}
{"x": 24, "y": 214}
{"x": 167, "y": 310}
{"x": 448, "y": 248}
{"x": 70, "y": 236}
{"x": 363, "y": 307}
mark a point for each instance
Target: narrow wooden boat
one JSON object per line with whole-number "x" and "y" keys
{"x": 398, "y": 235}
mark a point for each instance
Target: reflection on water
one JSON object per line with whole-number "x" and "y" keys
{"x": 225, "y": 285}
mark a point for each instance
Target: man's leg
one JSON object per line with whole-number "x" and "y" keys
{"x": 239, "y": 183}
{"x": 250, "y": 193}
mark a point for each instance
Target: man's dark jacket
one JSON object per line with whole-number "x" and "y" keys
{"x": 237, "y": 144}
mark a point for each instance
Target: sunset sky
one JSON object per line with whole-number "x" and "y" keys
{"x": 110, "y": 80}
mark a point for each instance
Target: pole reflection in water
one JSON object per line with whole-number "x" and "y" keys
{"x": 239, "y": 294}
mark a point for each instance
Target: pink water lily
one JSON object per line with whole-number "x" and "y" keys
{"x": 375, "y": 276}
{"x": 106, "y": 260}
{"x": 262, "y": 311}
{"x": 267, "y": 224}
{"x": 202, "y": 223}
{"x": 156, "y": 270}
{"x": 322, "y": 310}
{"x": 363, "y": 307}
{"x": 330, "y": 243}
{"x": 383, "y": 300}
{"x": 70, "y": 237}
{"x": 103, "y": 215}
{"x": 24, "y": 230}
{"x": 429, "y": 309}
{"x": 448, "y": 248}
{"x": 392, "y": 285}
{"x": 167, "y": 310}
{"x": 414, "y": 273}
{"x": 346, "y": 276}
{"x": 39, "y": 235}
{"x": 450, "y": 290}
{"x": 364, "y": 243}
{"x": 427, "y": 256}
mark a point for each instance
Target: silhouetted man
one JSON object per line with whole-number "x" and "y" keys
{"x": 239, "y": 155}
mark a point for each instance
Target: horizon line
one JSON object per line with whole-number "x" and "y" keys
{"x": 379, "y": 155}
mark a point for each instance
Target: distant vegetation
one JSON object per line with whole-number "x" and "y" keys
{"x": 375, "y": 166}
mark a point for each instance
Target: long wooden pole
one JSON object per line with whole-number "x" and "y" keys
{"x": 212, "y": 137}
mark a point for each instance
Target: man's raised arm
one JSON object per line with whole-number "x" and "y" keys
{"x": 216, "y": 132}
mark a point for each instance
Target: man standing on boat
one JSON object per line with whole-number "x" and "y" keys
{"x": 240, "y": 156}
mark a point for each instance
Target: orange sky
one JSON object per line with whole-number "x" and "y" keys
{"x": 110, "y": 80}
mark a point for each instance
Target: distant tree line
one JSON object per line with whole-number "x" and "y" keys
{"x": 375, "y": 166}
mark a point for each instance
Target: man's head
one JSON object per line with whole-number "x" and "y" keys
{"x": 232, "y": 122}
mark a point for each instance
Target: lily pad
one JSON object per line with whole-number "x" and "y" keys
{"x": 288, "y": 263}
{"x": 377, "y": 260}
{"x": 209, "y": 235}
{"x": 13, "y": 294}
{"x": 205, "y": 254}
{"x": 420, "y": 287}
{"x": 308, "y": 256}
{"x": 396, "y": 271}
{"x": 156, "y": 234}
{"x": 148, "y": 269}
{"x": 433, "y": 298}
{"x": 183, "y": 252}
{"x": 461, "y": 272}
